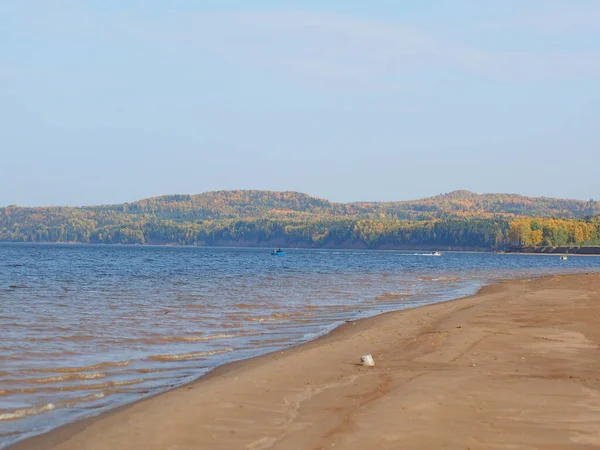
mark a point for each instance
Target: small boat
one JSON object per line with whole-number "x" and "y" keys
{"x": 278, "y": 252}
{"x": 563, "y": 258}
{"x": 436, "y": 254}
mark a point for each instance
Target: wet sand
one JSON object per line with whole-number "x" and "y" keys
{"x": 516, "y": 366}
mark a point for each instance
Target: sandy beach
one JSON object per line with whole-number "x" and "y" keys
{"x": 516, "y": 366}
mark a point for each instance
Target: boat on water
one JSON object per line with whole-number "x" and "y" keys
{"x": 278, "y": 252}
{"x": 564, "y": 258}
{"x": 436, "y": 254}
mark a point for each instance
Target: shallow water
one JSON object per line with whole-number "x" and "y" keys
{"x": 87, "y": 328}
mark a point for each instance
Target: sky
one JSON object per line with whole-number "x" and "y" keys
{"x": 109, "y": 101}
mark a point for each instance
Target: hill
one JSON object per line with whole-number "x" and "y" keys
{"x": 233, "y": 205}
{"x": 459, "y": 219}
{"x": 262, "y": 204}
{"x": 470, "y": 204}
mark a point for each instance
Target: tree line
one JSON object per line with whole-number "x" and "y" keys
{"x": 549, "y": 232}
{"x": 456, "y": 220}
{"x": 364, "y": 233}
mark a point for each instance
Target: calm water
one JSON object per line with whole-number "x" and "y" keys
{"x": 86, "y": 328}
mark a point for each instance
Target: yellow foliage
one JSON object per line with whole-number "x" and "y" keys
{"x": 530, "y": 232}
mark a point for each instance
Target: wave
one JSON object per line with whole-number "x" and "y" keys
{"x": 292, "y": 314}
{"x": 197, "y": 338}
{"x": 70, "y": 376}
{"x": 35, "y": 410}
{"x": 153, "y": 370}
{"x": 274, "y": 317}
{"x": 26, "y": 412}
{"x": 101, "y": 365}
{"x": 192, "y": 355}
{"x": 9, "y": 433}
{"x": 261, "y": 319}
{"x": 258, "y": 343}
{"x": 232, "y": 325}
{"x": 75, "y": 337}
{"x": 443, "y": 279}
{"x": 393, "y": 296}
{"x": 77, "y": 387}
{"x": 248, "y": 305}
{"x": 56, "y": 378}
{"x": 75, "y": 401}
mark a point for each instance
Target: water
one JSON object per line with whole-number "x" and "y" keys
{"x": 87, "y": 328}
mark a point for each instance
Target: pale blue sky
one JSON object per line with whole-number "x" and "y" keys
{"x": 112, "y": 101}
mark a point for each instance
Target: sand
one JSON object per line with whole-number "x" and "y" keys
{"x": 516, "y": 366}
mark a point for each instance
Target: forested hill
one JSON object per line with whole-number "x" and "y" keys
{"x": 271, "y": 204}
{"x": 470, "y": 204}
{"x": 459, "y": 219}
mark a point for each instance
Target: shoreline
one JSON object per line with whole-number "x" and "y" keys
{"x": 582, "y": 250}
{"x": 456, "y": 249}
{"x": 56, "y": 435}
{"x": 120, "y": 424}
{"x": 595, "y": 250}
{"x": 68, "y": 429}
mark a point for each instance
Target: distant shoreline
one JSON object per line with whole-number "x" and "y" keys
{"x": 575, "y": 251}
{"x": 272, "y": 245}
{"x": 563, "y": 250}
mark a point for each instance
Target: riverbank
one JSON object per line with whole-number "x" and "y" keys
{"x": 583, "y": 250}
{"x": 514, "y": 366}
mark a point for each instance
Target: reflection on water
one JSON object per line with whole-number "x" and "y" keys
{"x": 86, "y": 328}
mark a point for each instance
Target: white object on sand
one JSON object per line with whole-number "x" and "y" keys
{"x": 367, "y": 360}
